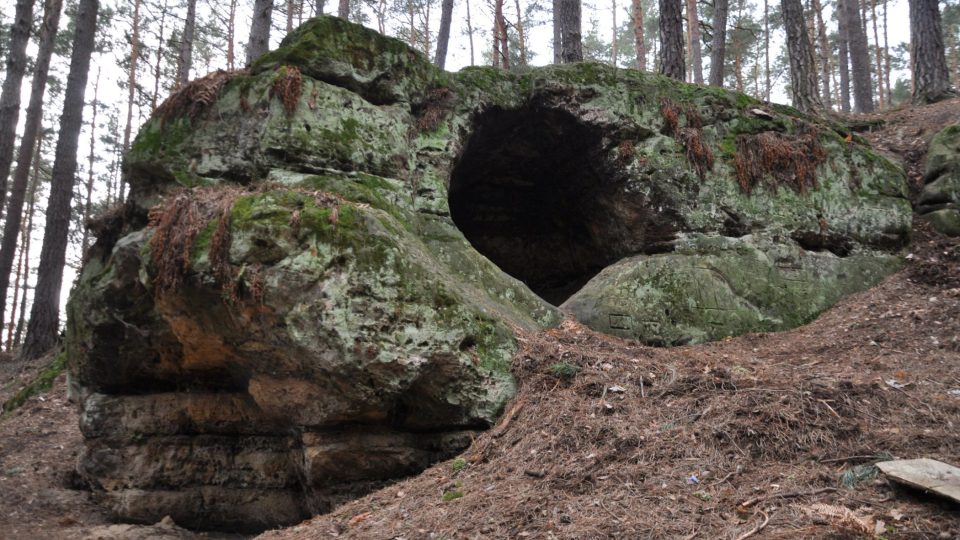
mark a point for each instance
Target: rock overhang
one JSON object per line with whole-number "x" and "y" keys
{"x": 340, "y": 208}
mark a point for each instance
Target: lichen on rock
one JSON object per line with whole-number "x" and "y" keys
{"x": 321, "y": 271}
{"x": 939, "y": 202}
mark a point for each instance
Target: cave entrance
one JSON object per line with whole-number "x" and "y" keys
{"x": 535, "y": 192}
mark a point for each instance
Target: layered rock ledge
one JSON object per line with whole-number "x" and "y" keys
{"x": 315, "y": 284}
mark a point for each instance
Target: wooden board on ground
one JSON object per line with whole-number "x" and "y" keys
{"x": 925, "y": 473}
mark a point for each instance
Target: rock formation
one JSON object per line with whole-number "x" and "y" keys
{"x": 315, "y": 284}
{"x": 939, "y": 201}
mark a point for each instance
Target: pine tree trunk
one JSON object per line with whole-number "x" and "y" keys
{"x": 859, "y": 58}
{"x": 159, "y": 63}
{"x": 289, "y": 15}
{"x": 766, "y": 49}
{"x": 343, "y": 10}
{"x": 27, "y": 233}
{"x": 930, "y": 76}
{"x": 17, "y": 286}
{"x": 557, "y": 41}
{"x": 382, "y": 16}
{"x": 231, "y": 35}
{"x": 638, "y": 35}
{"x": 501, "y": 48}
{"x": 497, "y": 53}
{"x": 671, "y": 39}
{"x": 318, "y": 7}
{"x": 31, "y": 131}
{"x": 886, "y": 56}
{"x": 259, "y": 42}
{"x": 470, "y": 33}
{"x": 132, "y": 78}
{"x": 85, "y": 242}
{"x": 426, "y": 31}
{"x": 719, "y": 43}
{"x": 446, "y": 15}
{"x": 843, "y": 57}
{"x": 613, "y": 34}
{"x": 186, "y": 44}
{"x": 23, "y": 259}
{"x": 571, "y": 46}
{"x": 45, "y": 313}
{"x": 825, "y": 68}
{"x": 520, "y": 35}
{"x": 803, "y": 77}
{"x": 876, "y": 40}
{"x": 693, "y": 31}
{"x": 10, "y": 95}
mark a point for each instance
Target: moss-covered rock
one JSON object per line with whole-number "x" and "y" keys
{"x": 939, "y": 201}
{"x": 340, "y": 246}
{"x": 715, "y": 287}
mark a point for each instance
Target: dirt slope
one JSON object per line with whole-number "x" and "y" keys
{"x": 612, "y": 439}
{"x": 614, "y": 450}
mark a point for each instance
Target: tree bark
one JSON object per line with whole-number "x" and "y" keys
{"x": 930, "y": 75}
{"x": 859, "y": 58}
{"x": 693, "y": 31}
{"x": 470, "y": 33}
{"x": 318, "y": 7}
{"x": 343, "y": 10}
{"x": 259, "y": 42}
{"x": 132, "y": 77}
{"x": 25, "y": 247}
{"x": 289, "y": 15}
{"x": 10, "y": 95}
{"x": 501, "y": 51}
{"x": 426, "y": 30}
{"x": 85, "y": 242}
{"x": 159, "y": 63}
{"x": 446, "y": 15}
{"x": 231, "y": 35}
{"x": 520, "y": 35}
{"x": 886, "y": 56}
{"x": 557, "y": 41}
{"x": 843, "y": 57}
{"x": 186, "y": 44}
{"x": 719, "y": 42}
{"x": 766, "y": 49}
{"x": 638, "y": 35}
{"x": 824, "y": 40}
{"x": 803, "y": 78}
{"x": 876, "y": 41}
{"x": 23, "y": 257}
{"x": 45, "y": 313}
{"x": 571, "y": 46}
{"x": 671, "y": 40}
{"x": 31, "y": 130}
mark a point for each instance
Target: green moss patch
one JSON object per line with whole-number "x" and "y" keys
{"x": 40, "y": 384}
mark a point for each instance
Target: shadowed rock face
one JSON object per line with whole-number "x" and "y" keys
{"x": 939, "y": 201}
{"x": 315, "y": 283}
{"x": 534, "y": 192}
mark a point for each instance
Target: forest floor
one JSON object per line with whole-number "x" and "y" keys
{"x": 767, "y": 435}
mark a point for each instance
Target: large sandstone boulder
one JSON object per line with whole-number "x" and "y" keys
{"x": 315, "y": 284}
{"x": 939, "y": 202}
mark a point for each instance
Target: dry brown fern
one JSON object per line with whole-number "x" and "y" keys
{"x": 671, "y": 116}
{"x": 193, "y": 98}
{"x": 787, "y": 160}
{"x": 288, "y": 86}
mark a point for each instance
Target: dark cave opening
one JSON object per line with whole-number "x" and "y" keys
{"x": 535, "y": 192}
